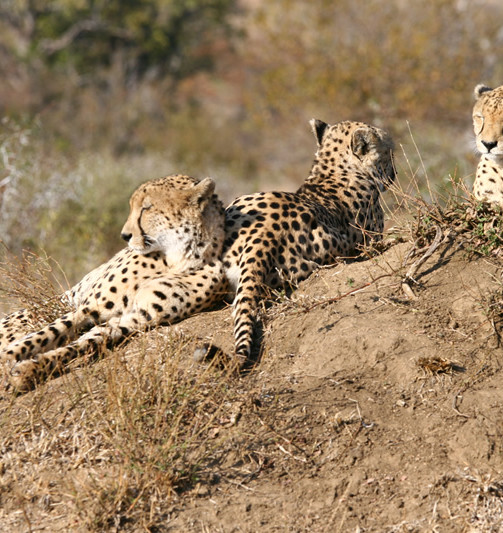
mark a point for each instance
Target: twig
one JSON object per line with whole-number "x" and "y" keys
{"x": 352, "y": 291}
{"x": 409, "y": 276}
{"x": 288, "y": 441}
{"x": 240, "y": 485}
{"x": 455, "y": 406}
{"x": 284, "y": 450}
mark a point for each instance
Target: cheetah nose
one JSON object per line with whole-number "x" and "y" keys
{"x": 126, "y": 236}
{"x": 489, "y": 145}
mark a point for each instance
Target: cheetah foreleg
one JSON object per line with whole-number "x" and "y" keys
{"x": 26, "y": 373}
{"x": 160, "y": 301}
{"x": 55, "y": 334}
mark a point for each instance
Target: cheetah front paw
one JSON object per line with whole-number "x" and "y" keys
{"x": 24, "y": 375}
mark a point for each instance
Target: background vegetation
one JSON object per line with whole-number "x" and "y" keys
{"x": 98, "y": 96}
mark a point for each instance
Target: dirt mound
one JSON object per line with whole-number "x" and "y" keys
{"x": 368, "y": 411}
{"x": 372, "y": 412}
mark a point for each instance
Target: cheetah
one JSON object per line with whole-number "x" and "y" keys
{"x": 273, "y": 238}
{"x": 488, "y": 127}
{"x": 170, "y": 270}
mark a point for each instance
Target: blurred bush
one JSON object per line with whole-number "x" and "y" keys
{"x": 379, "y": 59}
{"x": 72, "y": 208}
{"x": 101, "y": 95}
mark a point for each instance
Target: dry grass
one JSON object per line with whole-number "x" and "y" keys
{"x": 115, "y": 442}
{"x": 421, "y": 209}
{"x": 32, "y": 281}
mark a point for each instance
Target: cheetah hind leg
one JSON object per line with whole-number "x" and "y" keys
{"x": 152, "y": 307}
{"x": 15, "y": 326}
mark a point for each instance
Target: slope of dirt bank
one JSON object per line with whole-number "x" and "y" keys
{"x": 371, "y": 413}
{"x": 368, "y": 411}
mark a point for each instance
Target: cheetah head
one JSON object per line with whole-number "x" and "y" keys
{"x": 181, "y": 220}
{"x": 356, "y": 144}
{"x": 488, "y": 121}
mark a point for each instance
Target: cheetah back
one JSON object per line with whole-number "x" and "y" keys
{"x": 276, "y": 236}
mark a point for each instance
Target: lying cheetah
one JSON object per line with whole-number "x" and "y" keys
{"x": 488, "y": 127}
{"x": 171, "y": 269}
{"x": 273, "y": 237}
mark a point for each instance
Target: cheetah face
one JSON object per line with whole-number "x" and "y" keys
{"x": 358, "y": 144}
{"x": 488, "y": 121}
{"x": 165, "y": 219}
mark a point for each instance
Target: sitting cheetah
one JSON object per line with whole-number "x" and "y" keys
{"x": 488, "y": 127}
{"x": 171, "y": 269}
{"x": 273, "y": 237}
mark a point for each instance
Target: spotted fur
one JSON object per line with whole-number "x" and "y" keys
{"x": 488, "y": 127}
{"x": 278, "y": 237}
{"x": 170, "y": 270}
{"x": 15, "y": 326}
{"x": 172, "y": 267}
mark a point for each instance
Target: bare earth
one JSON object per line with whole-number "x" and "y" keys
{"x": 371, "y": 412}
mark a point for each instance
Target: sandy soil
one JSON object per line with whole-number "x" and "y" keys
{"x": 368, "y": 410}
{"x": 371, "y": 413}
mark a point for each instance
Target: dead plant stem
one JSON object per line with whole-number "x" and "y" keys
{"x": 352, "y": 291}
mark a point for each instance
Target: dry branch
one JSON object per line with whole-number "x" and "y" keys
{"x": 409, "y": 276}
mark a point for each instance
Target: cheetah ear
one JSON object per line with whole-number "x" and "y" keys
{"x": 202, "y": 191}
{"x": 361, "y": 141}
{"x": 318, "y": 127}
{"x": 480, "y": 89}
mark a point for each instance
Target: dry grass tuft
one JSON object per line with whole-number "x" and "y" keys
{"x": 436, "y": 365}
{"x": 31, "y": 281}
{"x": 477, "y": 226}
{"x": 115, "y": 442}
